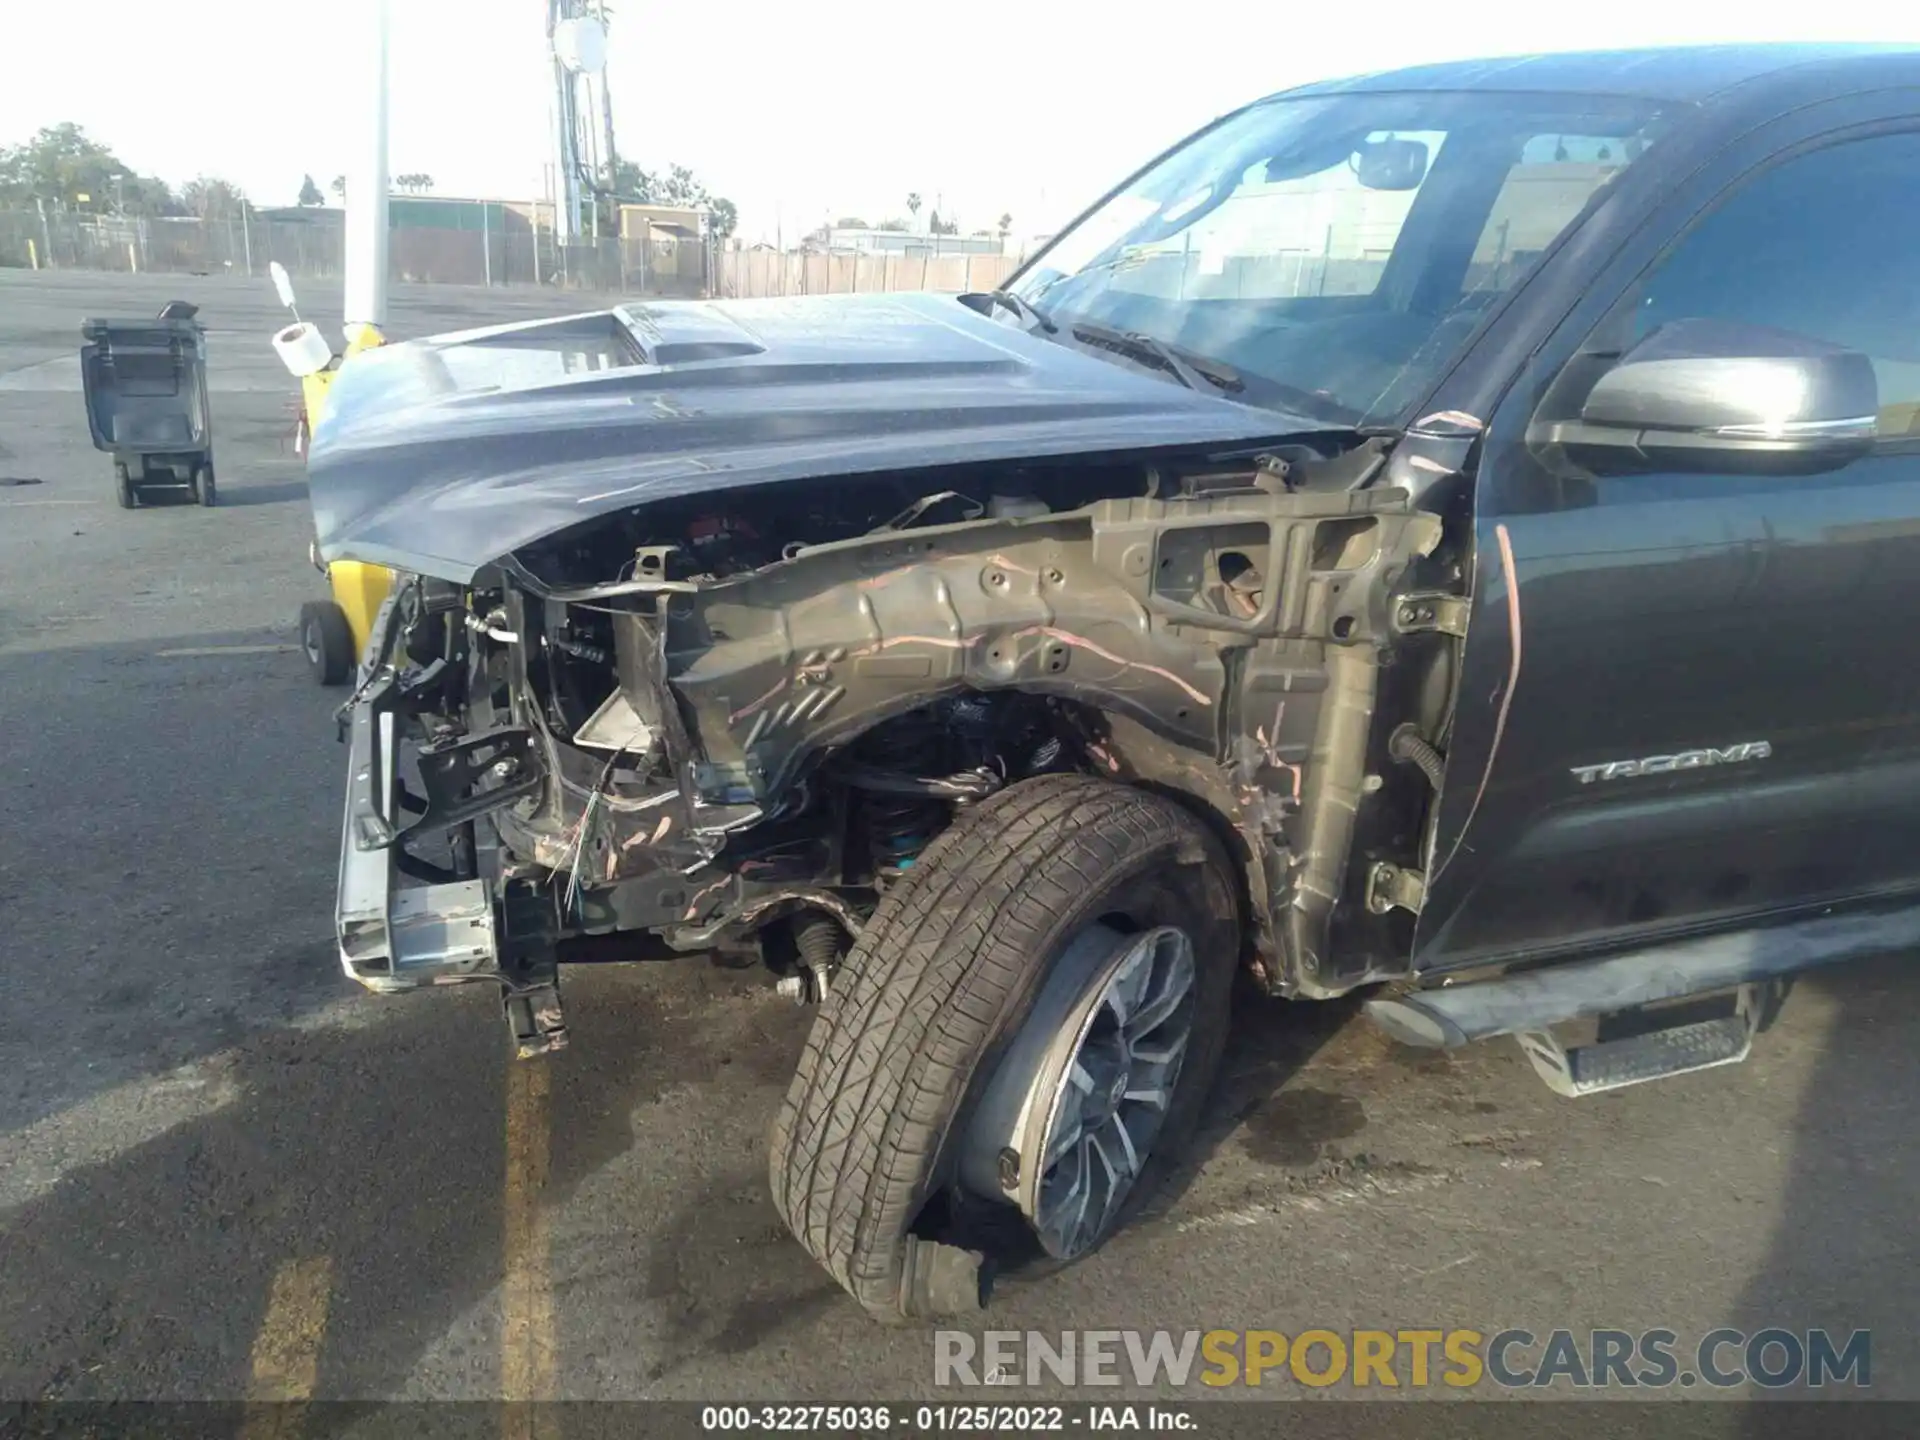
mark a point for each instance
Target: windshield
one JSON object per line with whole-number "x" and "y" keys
{"x": 1338, "y": 251}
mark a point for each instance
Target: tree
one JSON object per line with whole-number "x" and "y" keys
{"x": 913, "y": 205}
{"x": 850, "y": 222}
{"x": 894, "y": 225}
{"x": 678, "y": 186}
{"x": 145, "y": 195}
{"x": 310, "y": 192}
{"x": 414, "y": 182}
{"x": 212, "y": 198}
{"x": 1006, "y": 224}
{"x": 632, "y": 184}
{"x": 339, "y": 187}
{"x": 57, "y": 164}
{"x": 937, "y": 226}
{"x": 62, "y": 162}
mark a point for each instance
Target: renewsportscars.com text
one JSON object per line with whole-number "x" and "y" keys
{"x": 1771, "y": 1358}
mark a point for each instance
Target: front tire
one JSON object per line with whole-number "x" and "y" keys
{"x": 994, "y": 948}
{"x": 123, "y": 488}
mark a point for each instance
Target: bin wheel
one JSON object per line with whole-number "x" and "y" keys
{"x": 327, "y": 641}
{"x": 123, "y": 490}
{"x": 203, "y": 487}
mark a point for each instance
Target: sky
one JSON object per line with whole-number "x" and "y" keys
{"x": 798, "y": 110}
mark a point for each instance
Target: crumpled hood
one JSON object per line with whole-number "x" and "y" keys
{"x": 443, "y": 455}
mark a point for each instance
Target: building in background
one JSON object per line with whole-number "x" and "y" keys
{"x": 663, "y": 249}
{"x": 662, "y": 222}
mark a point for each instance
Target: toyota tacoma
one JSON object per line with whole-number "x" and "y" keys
{"x": 1441, "y": 533}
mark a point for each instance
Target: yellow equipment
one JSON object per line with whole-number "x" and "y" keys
{"x": 333, "y": 633}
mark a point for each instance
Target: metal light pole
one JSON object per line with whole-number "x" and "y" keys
{"x": 566, "y": 175}
{"x": 366, "y": 198}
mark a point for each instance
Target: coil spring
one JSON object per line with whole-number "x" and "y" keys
{"x": 899, "y": 826}
{"x": 970, "y": 715}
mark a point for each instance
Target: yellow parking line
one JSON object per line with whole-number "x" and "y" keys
{"x": 526, "y": 1336}
{"x": 286, "y": 1352}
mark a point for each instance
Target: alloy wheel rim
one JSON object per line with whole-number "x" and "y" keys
{"x": 1067, "y": 1123}
{"x": 1111, "y": 1100}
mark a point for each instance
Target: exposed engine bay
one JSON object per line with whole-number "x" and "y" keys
{"x": 732, "y": 721}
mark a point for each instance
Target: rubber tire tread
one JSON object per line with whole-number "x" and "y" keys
{"x": 952, "y": 953}
{"x": 335, "y": 637}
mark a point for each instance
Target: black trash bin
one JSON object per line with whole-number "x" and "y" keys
{"x": 146, "y": 388}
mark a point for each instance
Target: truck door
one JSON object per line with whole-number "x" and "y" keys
{"x": 1690, "y": 694}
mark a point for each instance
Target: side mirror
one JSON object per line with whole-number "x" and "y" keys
{"x": 1391, "y": 164}
{"x": 1706, "y": 395}
{"x": 282, "y": 284}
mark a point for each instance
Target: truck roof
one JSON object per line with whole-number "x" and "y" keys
{"x": 1692, "y": 73}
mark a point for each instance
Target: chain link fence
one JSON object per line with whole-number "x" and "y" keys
{"x": 508, "y": 254}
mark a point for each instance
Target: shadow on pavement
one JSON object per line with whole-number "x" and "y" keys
{"x": 1846, "y": 1220}
{"x": 379, "y": 1143}
{"x": 146, "y": 1277}
{"x": 167, "y": 881}
{"x": 1272, "y": 1041}
{"x": 716, "y": 1273}
{"x": 232, "y": 496}
{"x": 236, "y": 496}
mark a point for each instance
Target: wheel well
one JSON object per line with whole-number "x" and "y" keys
{"x": 1090, "y": 741}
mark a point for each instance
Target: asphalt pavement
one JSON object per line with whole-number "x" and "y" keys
{"x": 226, "y": 1172}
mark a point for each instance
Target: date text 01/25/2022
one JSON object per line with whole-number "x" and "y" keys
{"x": 944, "y": 1419}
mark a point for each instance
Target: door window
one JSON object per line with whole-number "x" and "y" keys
{"x": 1822, "y": 245}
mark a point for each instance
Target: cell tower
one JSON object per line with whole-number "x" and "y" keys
{"x": 584, "y": 158}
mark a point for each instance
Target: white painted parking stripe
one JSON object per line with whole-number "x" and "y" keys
{"x": 61, "y": 376}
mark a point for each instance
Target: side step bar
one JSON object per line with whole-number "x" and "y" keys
{"x": 1676, "y": 1048}
{"x": 1620, "y": 987}
{"x": 1454, "y": 1015}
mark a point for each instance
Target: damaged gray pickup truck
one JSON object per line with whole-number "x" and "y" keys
{"x": 1427, "y": 533}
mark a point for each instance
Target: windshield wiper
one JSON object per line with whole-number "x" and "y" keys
{"x": 1194, "y": 372}
{"x": 1025, "y": 309}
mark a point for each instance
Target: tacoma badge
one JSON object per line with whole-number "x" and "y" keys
{"x": 1679, "y": 760}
